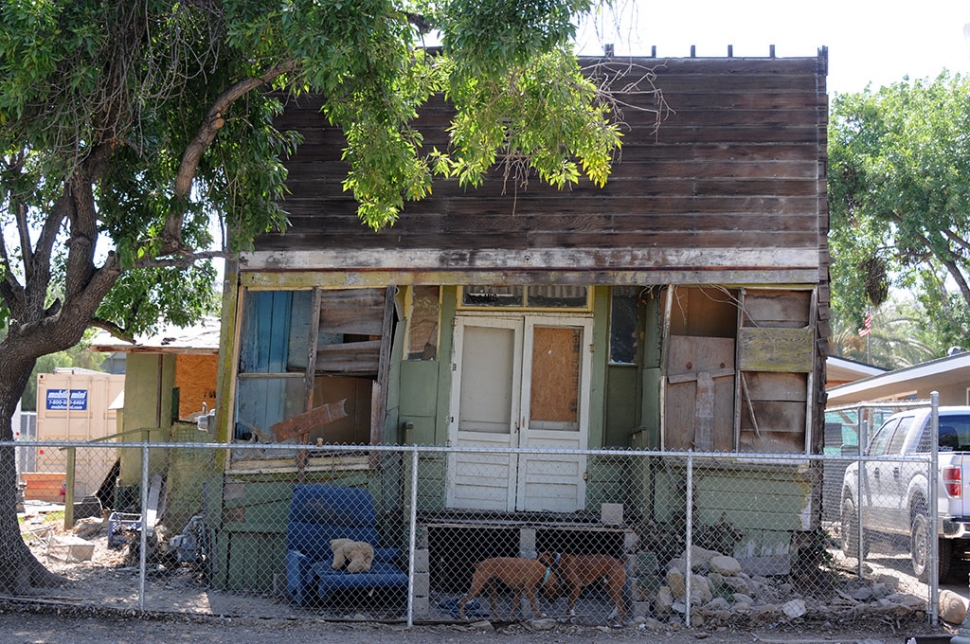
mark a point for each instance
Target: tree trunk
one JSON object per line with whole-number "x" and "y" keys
{"x": 19, "y": 569}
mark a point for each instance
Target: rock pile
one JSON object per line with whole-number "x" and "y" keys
{"x": 720, "y": 592}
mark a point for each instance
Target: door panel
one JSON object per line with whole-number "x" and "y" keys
{"x": 555, "y": 414}
{"x": 485, "y": 406}
{"x": 520, "y": 382}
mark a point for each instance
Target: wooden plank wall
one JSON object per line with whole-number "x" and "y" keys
{"x": 735, "y": 164}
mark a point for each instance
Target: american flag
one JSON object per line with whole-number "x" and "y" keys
{"x": 866, "y": 323}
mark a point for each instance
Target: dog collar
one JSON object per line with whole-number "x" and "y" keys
{"x": 546, "y": 578}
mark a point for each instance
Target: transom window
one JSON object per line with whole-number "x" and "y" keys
{"x": 543, "y": 296}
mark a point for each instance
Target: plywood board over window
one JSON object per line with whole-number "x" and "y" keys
{"x": 775, "y": 361}
{"x": 303, "y": 350}
{"x": 699, "y": 398}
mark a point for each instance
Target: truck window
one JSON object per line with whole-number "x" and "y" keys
{"x": 899, "y": 438}
{"x": 880, "y": 441}
{"x": 954, "y": 434}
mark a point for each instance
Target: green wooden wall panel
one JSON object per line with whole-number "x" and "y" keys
{"x": 621, "y": 404}
{"x": 419, "y": 388}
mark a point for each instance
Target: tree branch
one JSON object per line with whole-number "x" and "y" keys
{"x": 183, "y": 260}
{"x": 113, "y": 329}
{"x": 11, "y": 290}
{"x": 947, "y": 261}
{"x": 956, "y": 239}
{"x": 206, "y": 134}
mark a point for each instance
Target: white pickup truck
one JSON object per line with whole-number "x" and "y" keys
{"x": 895, "y": 493}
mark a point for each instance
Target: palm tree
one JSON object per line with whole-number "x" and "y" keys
{"x": 897, "y": 339}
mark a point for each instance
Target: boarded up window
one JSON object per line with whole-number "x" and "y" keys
{"x": 701, "y": 372}
{"x": 555, "y": 364}
{"x": 349, "y": 340}
{"x": 346, "y": 361}
{"x": 423, "y": 339}
{"x": 775, "y": 354}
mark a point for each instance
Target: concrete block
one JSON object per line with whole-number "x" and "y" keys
{"x": 70, "y": 548}
{"x": 422, "y": 584}
{"x": 527, "y": 539}
{"x": 611, "y": 513}
{"x": 421, "y": 560}
{"x": 630, "y": 541}
{"x": 422, "y": 607}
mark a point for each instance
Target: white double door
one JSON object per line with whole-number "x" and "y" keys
{"x": 519, "y": 382}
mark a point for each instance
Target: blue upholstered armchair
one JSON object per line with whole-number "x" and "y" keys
{"x": 319, "y": 513}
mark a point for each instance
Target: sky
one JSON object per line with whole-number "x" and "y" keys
{"x": 870, "y": 41}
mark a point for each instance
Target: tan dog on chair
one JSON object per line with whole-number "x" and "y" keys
{"x": 580, "y": 571}
{"x": 519, "y": 574}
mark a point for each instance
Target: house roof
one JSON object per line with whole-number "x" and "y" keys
{"x": 936, "y": 373}
{"x": 202, "y": 338}
{"x": 844, "y": 370}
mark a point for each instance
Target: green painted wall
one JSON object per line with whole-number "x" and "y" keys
{"x": 147, "y": 376}
{"x": 622, "y": 395}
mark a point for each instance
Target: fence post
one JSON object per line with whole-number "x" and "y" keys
{"x": 69, "y": 488}
{"x": 688, "y": 536}
{"x": 862, "y": 438}
{"x": 143, "y": 533}
{"x": 934, "y": 501}
{"x": 412, "y": 533}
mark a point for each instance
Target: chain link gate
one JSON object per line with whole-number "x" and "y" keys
{"x": 379, "y": 533}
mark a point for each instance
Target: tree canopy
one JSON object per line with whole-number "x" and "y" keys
{"x": 899, "y": 197}
{"x": 128, "y": 127}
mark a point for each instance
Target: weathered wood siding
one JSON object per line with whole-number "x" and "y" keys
{"x": 737, "y": 166}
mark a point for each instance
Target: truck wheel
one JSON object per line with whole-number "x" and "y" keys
{"x": 920, "y": 550}
{"x": 850, "y": 532}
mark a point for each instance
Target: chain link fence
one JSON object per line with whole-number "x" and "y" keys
{"x": 435, "y": 534}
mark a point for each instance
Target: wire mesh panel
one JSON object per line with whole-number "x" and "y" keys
{"x": 426, "y": 534}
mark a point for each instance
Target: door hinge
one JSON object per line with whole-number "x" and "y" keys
{"x": 591, "y": 349}
{"x": 454, "y": 366}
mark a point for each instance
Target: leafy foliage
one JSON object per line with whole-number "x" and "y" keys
{"x": 899, "y": 194}
{"x": 148, "y": 125}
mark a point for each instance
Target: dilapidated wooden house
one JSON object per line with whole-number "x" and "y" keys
{"x": 681, "y": 307}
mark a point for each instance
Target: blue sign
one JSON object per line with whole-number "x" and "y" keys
{"x": 79, "y": 400}
{"x": 56, "y": 400}
{"x": 62, "y": 400}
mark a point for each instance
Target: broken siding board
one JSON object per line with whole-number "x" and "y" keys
{"x": 776, "y": 386}
{"x": 358, "y": 358}
{"x": 771, "y": 443}
{"x": 774, "y": 416}
{"x": 784, "y": 350}
{"x": 784, "y": 309}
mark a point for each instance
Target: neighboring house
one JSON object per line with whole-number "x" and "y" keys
{"x": 169, "y": 376}
{"x": 683, "y": 306}
{"x": 840, "y": 371}
{"x": 949, "y": 376}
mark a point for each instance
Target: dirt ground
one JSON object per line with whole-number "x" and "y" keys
{"x": 22, "y": 624}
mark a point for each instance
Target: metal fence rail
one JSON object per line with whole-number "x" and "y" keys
{"x": 421, "y": 533}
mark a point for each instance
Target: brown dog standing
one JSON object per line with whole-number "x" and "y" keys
{"x": 580, "y": 571}
{"x": 519, "y": 574}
